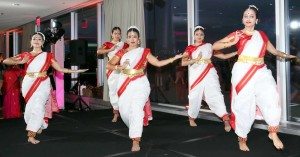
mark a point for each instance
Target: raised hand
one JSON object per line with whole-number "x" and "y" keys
{"x": 236, "y": 37}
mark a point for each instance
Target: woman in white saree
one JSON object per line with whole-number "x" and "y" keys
{"x": 203, "y": 79}
{"x": 111, "y": 48}
{"x": 36, "y": 84}
{"x": 133, "y": 85}
{"x": 252, "y": 82}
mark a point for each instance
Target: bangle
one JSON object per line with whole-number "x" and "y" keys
{"x": 172, "y": 59}
{"x": 225, "y": 44}
{"x": 284, "y": 55}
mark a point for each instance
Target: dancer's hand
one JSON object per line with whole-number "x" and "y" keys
{"x": 178, "y": 56}
{"x": 236, "y": 37}
{"x": 199, "y": 57}
{"x": 81, "y": 70}
{"x": 290, "y": 56}
{"x": 113, "y": 48}
{"x": 24, "y": 60}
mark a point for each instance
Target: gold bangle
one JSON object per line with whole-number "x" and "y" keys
{"x": 172, "y": 59}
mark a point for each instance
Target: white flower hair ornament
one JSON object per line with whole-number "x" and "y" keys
{"x": 43, "y": 36}
{"x": 253, "y": 6}
{"x": 135, "y": 27}
{"x": 198, "y": 27}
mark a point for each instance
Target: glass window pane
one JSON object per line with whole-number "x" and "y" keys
{"x": 87, "y": 30}
{"x": 166, "y": 28}
{"x": 294, "y": 23}
{"x": 226, "y": 17}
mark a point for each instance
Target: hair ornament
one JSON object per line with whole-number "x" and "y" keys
{"x": 253, "y": 6}
{"x": 135, "y": 27}
{"x": 198, "y": 27}
{"x": 43, "y": 36}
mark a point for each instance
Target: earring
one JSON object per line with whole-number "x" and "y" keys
{"x": 256, "y": 22}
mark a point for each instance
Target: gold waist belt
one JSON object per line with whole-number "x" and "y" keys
{"x": 133, "y": 72}
{"x": 204, "y": 61}
{"x": 250, "y": 59}
{"x": 36, "y": 74}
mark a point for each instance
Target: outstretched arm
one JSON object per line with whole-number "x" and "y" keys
{"x": 277, "y": 53}
{"x": 57, "y": 67}
{"x": 101, "y": 50}
{"x": 155, "y": 62}
{"x": 15, "y": 60}
{"x": 227, "y": 41}
{"x": 221, "y": 55}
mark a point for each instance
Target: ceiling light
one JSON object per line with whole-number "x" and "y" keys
{"x": 15, "y": 4}
{"x": 294, "y": 24}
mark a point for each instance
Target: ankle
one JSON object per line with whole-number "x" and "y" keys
{"x": 225, "y": 118}
{"x": 31, "y": 134}
{"x": 273, "y": 130}
{"x": 242, "y": 140}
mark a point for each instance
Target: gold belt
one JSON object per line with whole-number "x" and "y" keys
{"x": 133, "y": 72}
{"x": 250, "y": 59}
{"x": 36, "y": 74}
{"x": 204, "y": 61}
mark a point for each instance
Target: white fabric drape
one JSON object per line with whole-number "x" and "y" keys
{"x": 122, "y": 13}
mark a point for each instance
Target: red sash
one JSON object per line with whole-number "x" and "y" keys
{"x": 109, "y": 45}
{"x": 141, "y": 63}
{"x": 38, "y": 80}
{"x": 202, "y": 75}
{"x": 191, "y": 48}
{"x": 250, "y": 73}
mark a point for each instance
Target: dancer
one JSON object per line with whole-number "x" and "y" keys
{"x": 203, "y": 79}
{"x": 111, "y": 48}
{"x": 133, "y": 85}
{"x": 252, "y": 82}
{"x": 36, "y": 84}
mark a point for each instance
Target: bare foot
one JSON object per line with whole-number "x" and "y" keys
{"x": 135, "y": 146}
{"x": 276, "y": 141}
{"x": 32, "y": 140}
{"x": 227, "y": 126}
{"x": 115, "y": 119}
{"x": 192, "y": 122}
{"x": 243, "y": 146}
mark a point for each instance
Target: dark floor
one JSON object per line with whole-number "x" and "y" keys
{"x": 91, "y": 134}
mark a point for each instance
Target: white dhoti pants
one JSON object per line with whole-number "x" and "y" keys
{"x": 260, "y": 91}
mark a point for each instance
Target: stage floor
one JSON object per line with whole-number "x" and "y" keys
{"x": 91, "y": 134}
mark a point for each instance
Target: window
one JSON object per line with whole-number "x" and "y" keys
{"x": 166, "y": 35}
{"x": 226, "y": 17}
{"x": 294, "y": 29}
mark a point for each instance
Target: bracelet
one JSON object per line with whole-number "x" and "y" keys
{"x": 226, "y": 46}
{"x": 284, "y": 55}
{"x": 172, "y": 59}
